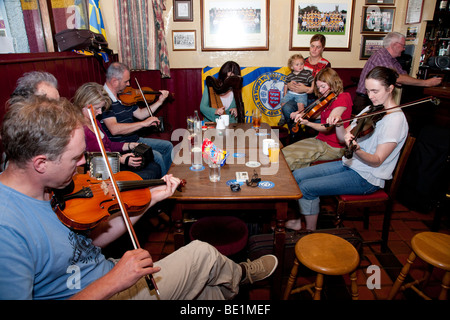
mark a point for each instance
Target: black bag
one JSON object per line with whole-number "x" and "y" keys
{"x": 80, "y": 39}
{"x": 262, "y": 244}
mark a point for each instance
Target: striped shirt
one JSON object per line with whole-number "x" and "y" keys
{"x": 314, "y": 68}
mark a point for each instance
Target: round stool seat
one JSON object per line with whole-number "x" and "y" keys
{"x": 227, "y": 234}
{"x": 327, "y": 254}
{"x": 434, "y": 248}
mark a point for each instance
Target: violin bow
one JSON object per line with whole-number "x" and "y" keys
{"x": 150, "y": 281}
{"x": 426, "y": 99}
{"x": 143, "y": 97}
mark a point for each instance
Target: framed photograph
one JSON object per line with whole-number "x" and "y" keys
{"x": 369, "y": 45}
{"x": 182, "y": 10}
{"x": 377, "y": 19}
{"x": 381, "y": 2}
{"x": 414, "y": 11}
{"x": 184, "y": 40}
{"x": 332, "y": 18}
{"x": 235, "y": 25}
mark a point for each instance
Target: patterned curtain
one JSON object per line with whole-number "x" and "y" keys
{"x": 141, "y": 37}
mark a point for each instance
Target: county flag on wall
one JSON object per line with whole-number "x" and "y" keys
{"x": 95, "y": 18}
{"x": 262, "y": 88}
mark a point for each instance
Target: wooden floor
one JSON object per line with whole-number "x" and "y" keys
{"x": 157, "y": 238}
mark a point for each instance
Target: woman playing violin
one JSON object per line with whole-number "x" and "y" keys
{"x": 229, "y": 68}
{"x": 94, "y": 94}
{"x": 325, "y": 146}
{"x": 374, "y": 158}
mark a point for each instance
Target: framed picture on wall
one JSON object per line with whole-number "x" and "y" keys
{"x": 235, "y": 25}
{"x": 182, "y": 10}
{"x": 332, "y": 18}
{"x": 369, "y": 45}
{"x": 377, "y": 19}
{"x": 381, "y": 2}
{"x": 184, "y": 40}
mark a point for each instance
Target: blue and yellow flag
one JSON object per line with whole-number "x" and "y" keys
{"x": 95, "y": 18}
{"x": 262, "y": 88}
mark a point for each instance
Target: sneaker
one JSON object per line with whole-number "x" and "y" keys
{"x": 294, "y": 224}
{"x": 259, "y": 269}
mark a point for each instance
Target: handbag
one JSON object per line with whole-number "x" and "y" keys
{"x": 80, "y": 39}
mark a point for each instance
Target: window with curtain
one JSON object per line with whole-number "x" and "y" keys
{"x": 140, "y": 31}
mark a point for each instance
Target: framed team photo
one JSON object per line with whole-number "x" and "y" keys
{"x": 332, "y": 18}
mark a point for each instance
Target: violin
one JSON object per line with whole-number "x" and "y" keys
{"x": 364, "y": 126}
{"x": 86, "y": 202}
{"x": 315, "y": 108}
{"x": 131, "y": 96}
{"x": 374, "y": 115}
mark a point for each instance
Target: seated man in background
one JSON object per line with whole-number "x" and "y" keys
{"x": 119, "y": 121}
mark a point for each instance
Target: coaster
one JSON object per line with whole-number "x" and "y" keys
{"x": 199, "y": 169}
{"x": 253, "y": 164}
{"x": 239, "y": 155}
{"x": 266, "y": 184}
{"x": 262, "y": 133}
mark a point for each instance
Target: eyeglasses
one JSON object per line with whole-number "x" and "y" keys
{"x": 402, "y": 44}
{"x": 254, "y": 181}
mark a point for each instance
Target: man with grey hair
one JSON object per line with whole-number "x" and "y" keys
{"x": 120, "y": 124}
{"x": 36, "y": 83}
{"x": 393, "y": 46}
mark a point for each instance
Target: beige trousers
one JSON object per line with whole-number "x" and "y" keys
{"x": 195, "y": 271}
{"x": 302, "y": 153}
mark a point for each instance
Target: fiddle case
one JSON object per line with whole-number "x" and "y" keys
{"x": 80, "y": 39}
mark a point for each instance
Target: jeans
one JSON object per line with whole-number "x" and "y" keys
{"x": 331, "y": 178}
{"x": 162, "y": 151}
{"x": 287, "y": 109}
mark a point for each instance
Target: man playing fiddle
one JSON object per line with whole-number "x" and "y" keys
{"x": 119, "y": 121}
{"x": 41, "y": 258}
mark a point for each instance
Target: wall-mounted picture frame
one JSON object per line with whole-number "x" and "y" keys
{"x": 381, "y": 2}
{"x": 182, "y": 10}
{"x": 414, "y": 11}
{"x": 332, "y": 18}
{"x": 377, "y": 19}
{"x": 369, "y": 45}
{"x": 235, "y": 25}
{"x": 184, "y": 40}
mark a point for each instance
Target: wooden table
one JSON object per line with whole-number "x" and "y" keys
{"x": 201, "y": 194}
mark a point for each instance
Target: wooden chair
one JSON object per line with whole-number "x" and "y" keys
{"x": 383, "y": 197}
{"x": 325, "y": 254}
{"x": 434, "y": 249}
{"x": 215, "y": 88}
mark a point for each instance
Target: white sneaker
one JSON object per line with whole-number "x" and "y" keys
{"x": 294, "y": 224}
{"x": 259, "y": 269}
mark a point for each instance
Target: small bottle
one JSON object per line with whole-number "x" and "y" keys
{"x": 443, "y": 5}
{"x": 443, "y": 49}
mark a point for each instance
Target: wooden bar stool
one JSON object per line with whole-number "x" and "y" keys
{"x": 434, "y": 249}
{"x": 325, "y": 254}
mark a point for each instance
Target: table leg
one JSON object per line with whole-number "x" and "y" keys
{"x": 177, "y": 216}
{"x": 279, "y": 245}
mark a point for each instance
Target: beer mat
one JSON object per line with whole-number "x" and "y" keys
{"x": 266, "y": 184}
{"x": 233, "y": 181}
{"x": 199, "y": 169}
{"x": 239, "y": 155}
{"x": 253, "y": 164}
